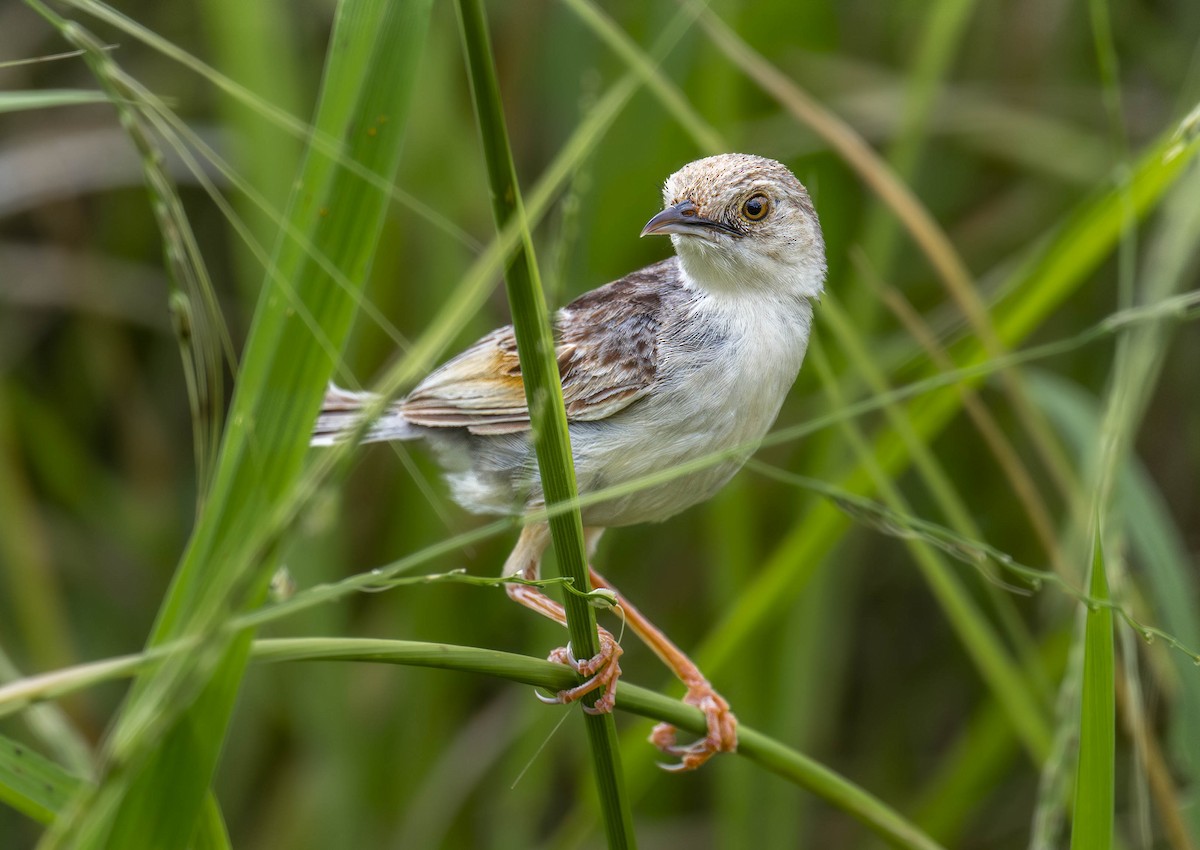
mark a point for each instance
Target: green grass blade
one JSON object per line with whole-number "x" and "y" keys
{"x": 255, "y": 46}
{"x": 164, "y": 746}
{"x": 1092, "y": 828}
{"x": 976, "y": 763}
{"x": 543, "y": 391}
{"x": 648, "y": 71}
{"x": 255, "y": 43}
{"x": 793, "y": 766}
{"x": 40, "y": 788}
{"x": 932, "y": 59}
{"x": 33, "y": 784}
{"x": 27, "y": 573}
{"x": 754, "y": 745}
{"x": 987, "y": 650}
{"x": 52, "y": 726}
{"x": 1139, "y": 360}
{"x": 211, "y": 833}
{"x": 19, "y": 101}
{"x": 1160, "y": 549}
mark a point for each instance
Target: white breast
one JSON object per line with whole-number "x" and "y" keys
{"x": 720, "y": 385}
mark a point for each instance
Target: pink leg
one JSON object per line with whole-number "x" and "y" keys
{"x": 722, "y": 725}
{"x": 603, "y": 669}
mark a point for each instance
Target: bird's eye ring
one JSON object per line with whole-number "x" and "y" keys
{"x": 756, "y": 207}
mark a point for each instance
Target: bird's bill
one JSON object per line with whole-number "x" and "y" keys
{"x": 685, "y": 219}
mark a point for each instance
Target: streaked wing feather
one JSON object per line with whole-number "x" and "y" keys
{"x": 607, "y": 353}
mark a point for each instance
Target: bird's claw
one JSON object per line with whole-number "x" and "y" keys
{"x": 721, "y": 737}
{"x": 602, "y": 671}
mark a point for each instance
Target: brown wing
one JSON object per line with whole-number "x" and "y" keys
{"x": 607, "y": 351}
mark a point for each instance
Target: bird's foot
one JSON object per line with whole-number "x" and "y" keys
{"x": 721, "y": 737}
{"x": 602, "y": 671}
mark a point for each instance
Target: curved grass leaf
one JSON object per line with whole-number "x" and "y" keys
{"x": 770, "y": 754}
{"x": 793, "y": 766}
{"x": 164, "y": 747}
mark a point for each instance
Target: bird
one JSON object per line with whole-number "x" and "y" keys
{"x": 689, "y": 357}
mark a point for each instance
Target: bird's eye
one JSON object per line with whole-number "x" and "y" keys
{"x": 756, "y": 207}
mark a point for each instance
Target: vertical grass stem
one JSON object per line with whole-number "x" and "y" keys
{"x": 543, "y": 392}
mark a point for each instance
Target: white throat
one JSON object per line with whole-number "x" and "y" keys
{"x": 732, "y": 268}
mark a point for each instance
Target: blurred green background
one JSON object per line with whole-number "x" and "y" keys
{"x": 1006, "y": 120}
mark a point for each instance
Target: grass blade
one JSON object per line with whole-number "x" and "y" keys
{"x": 771, "y": 754}
{"x": 40, "y": 788}
{"x": 32, "y": 783}
{"x": 543, "y": 391}
{"x": 1095, "y": 774}
{"x": 995, "y": 664}
{"x": 165, "y": 744}
{"x": 797, "y": 768}
{"x": 18, "y": 101}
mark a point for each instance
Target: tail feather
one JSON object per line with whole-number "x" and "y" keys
{"x": 341, "y": 413}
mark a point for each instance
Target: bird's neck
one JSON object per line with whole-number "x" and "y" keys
{"x": 746, "y": 276}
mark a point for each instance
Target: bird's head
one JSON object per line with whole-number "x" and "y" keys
{"x": 741, "y": 222}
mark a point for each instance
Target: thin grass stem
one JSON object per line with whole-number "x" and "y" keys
{"x": 548, "y": 414}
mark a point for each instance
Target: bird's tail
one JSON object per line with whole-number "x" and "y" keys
{"x": 341, "y": 414}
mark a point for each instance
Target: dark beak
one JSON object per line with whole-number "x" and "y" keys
{"x": 685, "y": 219}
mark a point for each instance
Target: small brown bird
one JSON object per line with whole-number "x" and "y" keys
{"x": 685, "y": 358}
